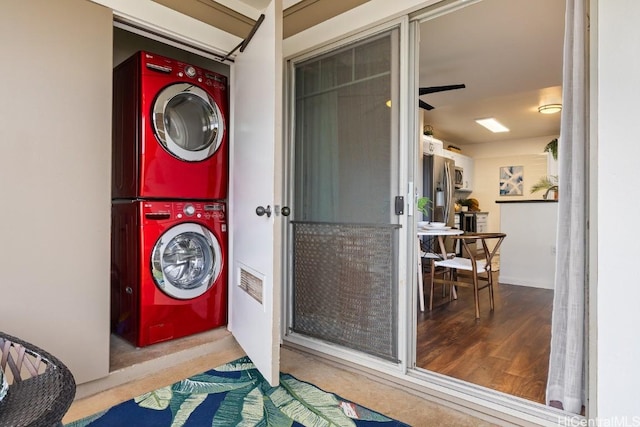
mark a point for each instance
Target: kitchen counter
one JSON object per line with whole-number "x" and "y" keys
{"x": 528, "y": 201}
{"x": 528, "y": 253}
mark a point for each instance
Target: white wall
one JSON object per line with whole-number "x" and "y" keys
{"x": 489, "y": 157}
{"x": 618, "y": 295}
{"x": 55, "y": 182}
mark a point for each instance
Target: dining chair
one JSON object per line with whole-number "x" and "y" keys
{"x": 40, "y": 387}
{"x": 428, "y": 252}
{"x": 480, "y": 267}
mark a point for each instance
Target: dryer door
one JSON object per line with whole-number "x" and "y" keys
{"x": 186, "y": 261}
{"x": 187, "y": 122}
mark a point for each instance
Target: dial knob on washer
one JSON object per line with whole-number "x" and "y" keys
{"x": 190, "y": 71}
{"x": 189, "y": 210}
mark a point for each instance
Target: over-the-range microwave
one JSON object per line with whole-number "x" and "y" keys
{"x": 458, "y": 177}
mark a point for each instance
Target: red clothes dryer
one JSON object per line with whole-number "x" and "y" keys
{"x": 169, "y": 130}
{"x": 169, "y": 274}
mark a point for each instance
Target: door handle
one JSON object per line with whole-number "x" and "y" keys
{"x": 285, "y": 211}
{"x": 260, "y": 211}
{"x": 399, "y": 205}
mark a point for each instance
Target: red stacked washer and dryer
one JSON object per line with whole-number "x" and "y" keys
{"x": 169, "y": 185}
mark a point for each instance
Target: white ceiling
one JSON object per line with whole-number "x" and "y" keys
{"x": 509, "y": 55}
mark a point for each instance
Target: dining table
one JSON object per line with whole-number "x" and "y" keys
{"x": 441, "y": 233}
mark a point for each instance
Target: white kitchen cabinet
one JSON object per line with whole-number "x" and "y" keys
{"x": 432, "y": 146}
{"x": 467, "y": 165}
{"x": 448, "y": 154}
{"x": 481, "y": 222}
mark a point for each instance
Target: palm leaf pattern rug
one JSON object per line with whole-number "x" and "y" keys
{"x": 236, "y": 394}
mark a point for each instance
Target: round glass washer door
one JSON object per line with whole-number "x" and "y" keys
{"x": 186, "y": 261}
{"x": 187, "y": 122}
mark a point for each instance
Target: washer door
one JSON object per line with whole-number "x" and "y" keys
{"x": 186, "y": 261}
{"x": 187, "y": 122}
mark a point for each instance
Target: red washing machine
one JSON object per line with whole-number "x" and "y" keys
{"x": 169, "y": 274}
{"x": 169, "y": 130}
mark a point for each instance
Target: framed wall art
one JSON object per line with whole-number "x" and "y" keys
{"x": 511, "y": 180}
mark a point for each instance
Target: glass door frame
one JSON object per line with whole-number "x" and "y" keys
{"x": 406, "y": 152}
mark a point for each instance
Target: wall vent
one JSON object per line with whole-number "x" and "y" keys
{"x": 251, "y": 284}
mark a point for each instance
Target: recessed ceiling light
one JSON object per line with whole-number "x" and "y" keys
{"x": 550, "y": 108}
{"x": 493, "y": 125}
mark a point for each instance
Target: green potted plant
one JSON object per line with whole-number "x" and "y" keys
{"x": 548, "y": 183}
{"x": 424, "y": 205}
{"x": 552, "y": 147}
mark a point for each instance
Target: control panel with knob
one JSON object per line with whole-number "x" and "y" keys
{"x": 189, "y": 209}
{"x": 160, "y": 211}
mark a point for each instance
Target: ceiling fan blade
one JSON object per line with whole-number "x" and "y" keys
{"x": 424, "y": 105}
{"x": 433, "y": 89}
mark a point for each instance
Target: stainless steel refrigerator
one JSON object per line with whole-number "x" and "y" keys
{"x": 438, "y": 185}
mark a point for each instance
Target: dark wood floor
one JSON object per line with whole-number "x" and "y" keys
{"x": 505, "y": 350}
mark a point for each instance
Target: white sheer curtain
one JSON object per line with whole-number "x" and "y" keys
{"x": 566, "y": 382}
{"x": 317, "y": 188}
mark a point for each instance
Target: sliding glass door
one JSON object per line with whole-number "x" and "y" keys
{"x": 345, "y": 222}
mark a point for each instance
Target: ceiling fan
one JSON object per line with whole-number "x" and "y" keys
{"x": 433, "y": 89}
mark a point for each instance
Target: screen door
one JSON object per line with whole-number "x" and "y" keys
{"x": 345, "y": 225}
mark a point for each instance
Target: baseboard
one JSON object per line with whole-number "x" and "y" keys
{"x": 519, "y": 281}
